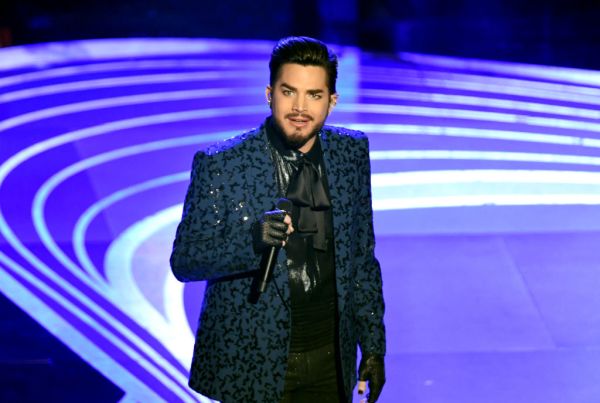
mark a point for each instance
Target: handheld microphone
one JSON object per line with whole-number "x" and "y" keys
{"x": 269, "y": 257}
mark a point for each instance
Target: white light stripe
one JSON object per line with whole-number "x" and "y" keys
{"x": 173, "y": 289}
{"x": 20, "y": 294}
{"x": 43, "y": 146}
{"x": 161, "y": 363}
{"x": 52, "y": 112}
{"x": 24, "y": 155}
{"x": 96, "y": 208}
{"x": 483, "y": 176}
{"x": 98, "y": 310}
{"x": 464, "y": 188}
{"x": 486, "y": 84}
{"x": 47, "y": 54}
{"x": 125, "y": 100}
{"x": 39, "y": 222}
{"x": 44, "y": 191}
{"x": 484, "y": 200}
{"x": 441, "y": 113}
{"x": 488, "y": 102}
{"x": 566, "y": 74}
{"x": 177, "y": 389}
{"x": 133, "y": 65}
{"x": 179, "y": 340}
{"x": 88, "y": 85}
{"x": 522, "y": 86}
{"x": 114, "y": 126}
{"x": 385, "y": 128}
{"x": 120, "y": 273}
{"x": 484, "y": 155}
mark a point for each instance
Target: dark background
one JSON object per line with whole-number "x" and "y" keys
{"x": 551, "y": 32}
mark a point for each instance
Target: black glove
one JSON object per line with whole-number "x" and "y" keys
{"x": 270, "y": 230}
{"x": 372, "y": 369}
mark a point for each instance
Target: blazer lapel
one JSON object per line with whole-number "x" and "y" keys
{"x": 338, "y": 178}
{"x": 260, "y": 175}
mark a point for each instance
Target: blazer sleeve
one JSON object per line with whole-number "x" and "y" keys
{"x": 368, "y": 283}
{"x": 210, "y": 241}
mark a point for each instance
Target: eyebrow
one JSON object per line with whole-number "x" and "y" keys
{"x": 290, "y": 87}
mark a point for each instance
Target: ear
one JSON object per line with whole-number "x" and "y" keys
{"x": 268, "y": 93}
{"x": 333, "y": 99}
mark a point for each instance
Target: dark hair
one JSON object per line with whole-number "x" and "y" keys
{"x": 306, "y": 52}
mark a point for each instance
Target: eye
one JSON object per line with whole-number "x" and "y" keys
{"x": 316, "y": 96}
{"x": 287, "y": 92}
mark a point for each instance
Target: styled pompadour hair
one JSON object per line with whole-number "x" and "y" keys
{"x": 306, "y": 52}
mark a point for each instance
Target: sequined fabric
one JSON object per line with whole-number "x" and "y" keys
{"x": 241, "y": 347}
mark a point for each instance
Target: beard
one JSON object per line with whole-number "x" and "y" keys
{"x": 296, "y": 139}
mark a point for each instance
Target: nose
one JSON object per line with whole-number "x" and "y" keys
{"x": 298, "y": 106}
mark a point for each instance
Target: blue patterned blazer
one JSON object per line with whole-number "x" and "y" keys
{"x": 241, "y": 348}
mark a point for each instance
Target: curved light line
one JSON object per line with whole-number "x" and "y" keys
{"x": 382, "y": 180}
{"x": 119, "y": 327}
{"x": 23, "y": 155}
{"x": 485, "y": 84}
{"x": 471, "y": 188}
{"x": 173, "y": 290}
{"x": 488, "y": 102}
{"x": 139, "y": 64}
{"x": 578, "y": 76}
{"x": 177, "y": 388}
{"x": 125, "y": 100}
{"x": 441, "y": 113}
{"x": 80, "y": 296}
{"x": 118, "y": 263}
{"x": 146, "y": 79}
{"x": 483, "y": 200}
{"x": 55, "y": 111}
{"x": 44, "y": 191}
{"x": 425, "y": 130}
{"x": 484, "y": 156}
{"x": 95, "y": 209}
{"x": 48, "y": 54}
{"x": 40, "y": 225}
{"x": 20, "y": 293}
{"x": 396, "y": 74}
{"x": 117, "y": 125}
{"x": 43, "y": 146}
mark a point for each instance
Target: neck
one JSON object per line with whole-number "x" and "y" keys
{"x": 308, "y": 145}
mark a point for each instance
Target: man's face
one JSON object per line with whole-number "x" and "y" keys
{"x": 300, "y": 103}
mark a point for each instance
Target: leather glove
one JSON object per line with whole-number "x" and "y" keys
{"x": 372, "y": 369}
{"x": 269, "y": 231}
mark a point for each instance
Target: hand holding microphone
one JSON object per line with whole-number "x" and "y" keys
{"x": 269, "y": 235}
{"x": 273, "y": 229}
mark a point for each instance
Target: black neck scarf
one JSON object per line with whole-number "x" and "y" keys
{"x": 306, "y": 189}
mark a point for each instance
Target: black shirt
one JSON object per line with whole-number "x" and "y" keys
{"x": 311, "y": 271}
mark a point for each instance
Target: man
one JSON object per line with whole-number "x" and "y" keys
{"x": 296, "y": 341}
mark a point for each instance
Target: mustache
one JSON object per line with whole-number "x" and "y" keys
{"x": 298, "y": 115}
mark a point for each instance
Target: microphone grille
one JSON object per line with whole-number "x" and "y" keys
{"x": 285, "y": 205}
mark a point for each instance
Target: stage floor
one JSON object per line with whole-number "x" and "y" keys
{"x": 486, "y": 192}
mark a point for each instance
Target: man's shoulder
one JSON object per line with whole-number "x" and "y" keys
{"x": 343, "y": 133}
{"x": 345, "y": 138}
{"x": 244, "y": 142}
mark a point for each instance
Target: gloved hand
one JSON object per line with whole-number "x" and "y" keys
{"x": 270, "y": 230}
{"x": 372, "y": 369}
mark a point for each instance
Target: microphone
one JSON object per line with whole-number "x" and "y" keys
{"x": 270, "y": 255}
